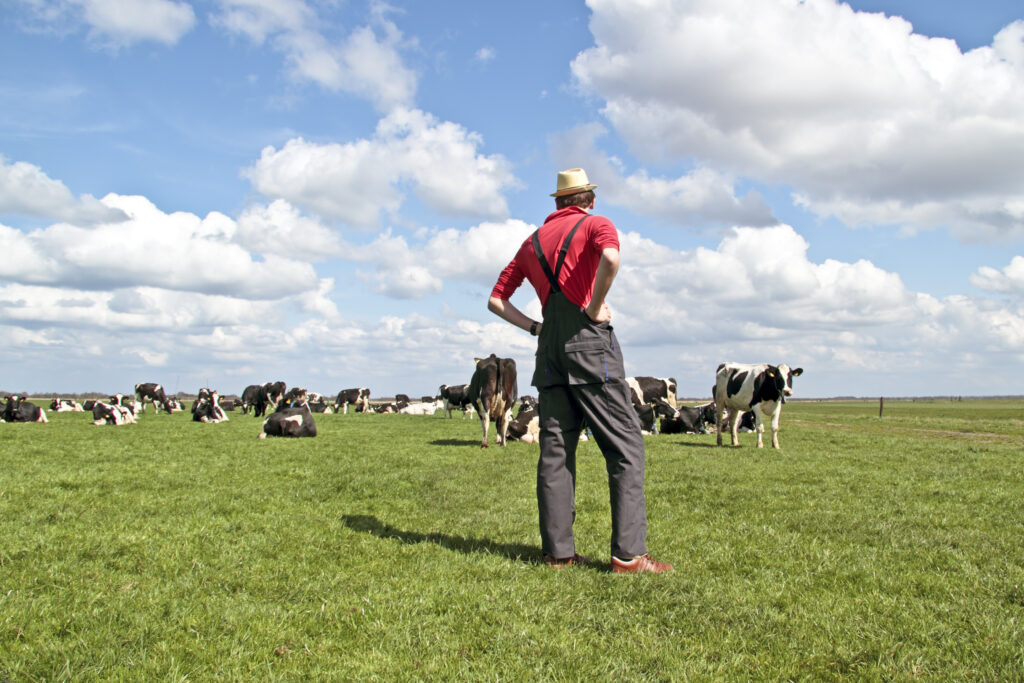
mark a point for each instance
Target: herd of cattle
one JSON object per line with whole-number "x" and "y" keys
{"x": 744, "y": 396}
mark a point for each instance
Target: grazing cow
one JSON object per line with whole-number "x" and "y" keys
{"x": 356, "y": 397}
{"x": 686, "y": 421}
{"x": 207, "y": 408}
{"x": 659, "y": 391}
{"x": 152, "y": 392}
{"x": 493, "y": 390}
{"x": 455, "y": 396}
{"x": 422, "y": 408}
{"x": 111, "y": 414}
{"x": 18, "y": 409}
{"x": 249, "y": 396}
{"x": 295, "y": 421}
{"x": 760, "y": 388}
{"x": 65, "y": 405}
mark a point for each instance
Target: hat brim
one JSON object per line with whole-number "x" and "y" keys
{"x": 573, "y": 190}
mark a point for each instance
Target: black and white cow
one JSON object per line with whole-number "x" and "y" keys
{"x": 249, "y": 396}
{"x": 493, "y": 390}
{"x": 687, "y": 420}
{"x": 526, "y": 425}
{"x": 359, "y": 397}
{"x": 294, "y": 397}
{"x": 65, "y": 405}
{"x": 128, "y": 404}
{"x": 422, "y": 407}
{"x": 207, "y": 408}
{"x": 152, "y": 392}
{"x": 657, "y": 391}
{"x": 455, "y": 396}
{"x": 17, "y": 409}
{"x": 111, "y": 414}
{"x": 318, "y": 403}
{"x": 760, "y": 388}
{"x": 295, "y": 421}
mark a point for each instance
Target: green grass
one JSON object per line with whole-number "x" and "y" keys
{"x": 392, "y": 547}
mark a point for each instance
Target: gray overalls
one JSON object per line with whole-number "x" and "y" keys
{"x": 580, "y": 380}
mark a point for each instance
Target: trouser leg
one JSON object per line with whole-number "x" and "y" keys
{"x": 560, "y": 424}
{"x": 609, "y": 412}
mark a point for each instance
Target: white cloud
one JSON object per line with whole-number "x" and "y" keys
{"x": 117, "y": 23}
{"x": 25, "y": 189}
{"x": 356, "y": 181}
{"x": 1010, "y": 279}
{"x": 867, "y": 120}
{"x": 366, "y": 63}
{"x": 173, "y": 251}
{"x": 282, "y": 230}
{"x": 414, "y": 271}
{"x": 700, "y": 198}
{"x": 485, "y": 54}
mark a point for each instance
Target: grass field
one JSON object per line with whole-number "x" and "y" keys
{"x": 392, "y": 547}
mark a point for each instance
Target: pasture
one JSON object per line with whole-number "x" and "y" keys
{"x": 392, "y": 547}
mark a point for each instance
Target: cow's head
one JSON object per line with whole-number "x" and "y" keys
{"x": 782, "y": 376}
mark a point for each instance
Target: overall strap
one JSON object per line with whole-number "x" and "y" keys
{"x": 553, "y": 276}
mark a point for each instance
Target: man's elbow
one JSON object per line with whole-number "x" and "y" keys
{"x": 495, "y": 305}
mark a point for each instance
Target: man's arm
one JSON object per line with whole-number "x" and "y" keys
{"x": 597, "y": 310}
{"x": 506, "y": 309}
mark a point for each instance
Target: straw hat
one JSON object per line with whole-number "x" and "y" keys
{"x": 572, "y": 181}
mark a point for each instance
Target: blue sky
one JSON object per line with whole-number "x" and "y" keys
{"x": 237, "y": 191}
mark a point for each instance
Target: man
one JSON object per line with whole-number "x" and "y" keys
{"x": 571, "y": 262}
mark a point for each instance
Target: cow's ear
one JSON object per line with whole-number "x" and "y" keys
{"x": 798, "y": 371}
{"x": 477, "y": 360}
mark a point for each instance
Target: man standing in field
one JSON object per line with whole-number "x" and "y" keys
{"x": 571, "y": 261}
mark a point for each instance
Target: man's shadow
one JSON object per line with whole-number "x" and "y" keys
{"x": 514, "y": 551}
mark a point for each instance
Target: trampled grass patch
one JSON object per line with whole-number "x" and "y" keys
{"x": 392, "y": 547}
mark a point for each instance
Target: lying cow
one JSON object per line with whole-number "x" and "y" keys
{"x": 422, "y": 408}
{"x": 760, "y": 388}
{"x": 154, "y": 393}
{"x": 130, "y": 405}
{"x": 207, "y": 408}
{"x": 65, "y": 405}
{"x": 111, "y": 414}
{"x": 526, "y": 425}
{"x": 687, "y": 420}
{"x": 17, "y": 409}
{"x": 359, "y": 397}
{"x": 296, "y": 421}
{"x": 493, "y": 391}
{"x": 318, "y": 403}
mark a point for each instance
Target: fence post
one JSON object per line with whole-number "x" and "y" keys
{"x": 881, "y": 404}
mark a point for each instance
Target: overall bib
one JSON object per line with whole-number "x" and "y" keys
{"x": 581, "y": 382}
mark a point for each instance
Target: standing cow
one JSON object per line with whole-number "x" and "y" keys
{"x": 359, "y": 398}
{"x": 760, "y": 388}
{"x": 456, "y": 396}
{"x": 493, "y": 390}
{"x": 154, "y": 393}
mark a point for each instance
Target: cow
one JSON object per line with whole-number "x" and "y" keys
{"x": 318, "y": 403}
{"x": 207, "y": 408}
{"x": 422, "y": 408}
{"x": 493, "y": 390}
{"x": 455, "y": 396}
{"x": 295, "y": 421}
{"x": 111, "y": 414}
{"x": 356, "y": 397}
{"x": 65, "y": 405}
{"x": 526, "y": 425}
{"x": 687, "y": 420}
{"x": 659, "y": 391}
{"x": 249, "y": 396}
{"x": 154, "y": 393}
{"x": 129, "y": 405}
{"x": 294, "y": 397}
{"x": 760, "y": 388}
{"x": 17, "y": 409}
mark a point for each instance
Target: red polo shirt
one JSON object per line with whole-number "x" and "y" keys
{"x": 576, "y": 280}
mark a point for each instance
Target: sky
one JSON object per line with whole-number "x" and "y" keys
{"x": 228, "y": 192}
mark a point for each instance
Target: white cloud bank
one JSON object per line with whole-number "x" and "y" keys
{"x": 116, "y": 23}
{"x": 868, "y": 121}
{"x": 355, "y": 182}
{"x": 26, "y": 190}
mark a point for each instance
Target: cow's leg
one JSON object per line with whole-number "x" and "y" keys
{"x": 485, "y": 420}
{"x": 759, "y": 426}
{"x": 734, "y": 424}
{"x": 775, "y": 427}
{"x": 719, "y": 409}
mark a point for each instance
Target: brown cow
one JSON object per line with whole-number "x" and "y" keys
{"x": 492, "y": 391}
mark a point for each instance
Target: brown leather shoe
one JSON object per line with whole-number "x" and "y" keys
{"x": 640, "y": 563}
{"x": 562, "y": 562}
